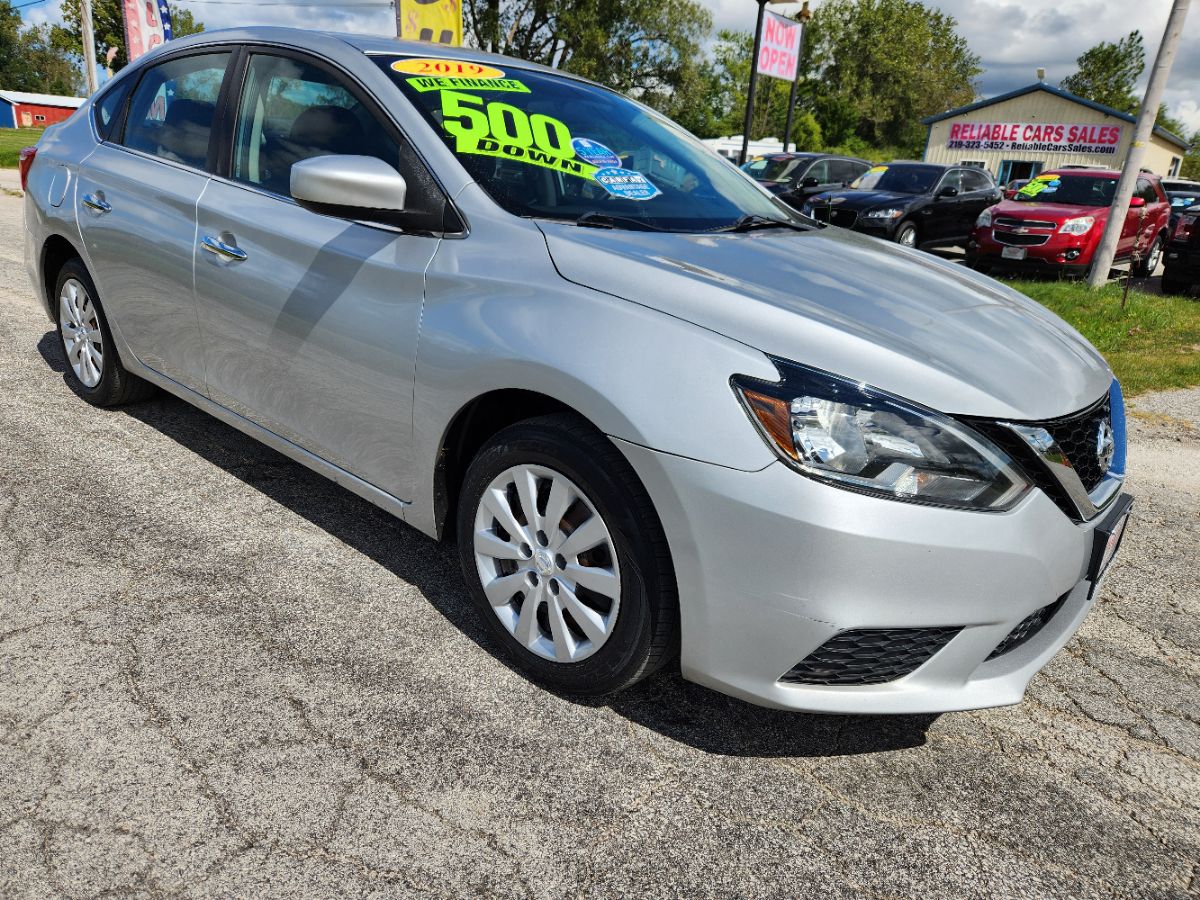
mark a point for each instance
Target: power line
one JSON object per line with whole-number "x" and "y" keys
{"x": 33, "y": 3}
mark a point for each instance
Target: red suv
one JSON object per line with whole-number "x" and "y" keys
{"x": 1055, "y": 223}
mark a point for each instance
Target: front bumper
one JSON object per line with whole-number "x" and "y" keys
{"x": 1061, "y": 252}
{"x": 771, "y": 565}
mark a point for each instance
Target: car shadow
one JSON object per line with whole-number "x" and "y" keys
{"x": 666, "y": 704}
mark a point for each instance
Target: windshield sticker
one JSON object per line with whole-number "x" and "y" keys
{"x": 875, "y": 170}
{"x": 595, "y": 153}
{"x": 456, "y": 83}
{"x": 1042, "y": 184}
{"x": 626, "y": 184}
{"x": 495, "y": 128}
{"x": 449, "y": 67}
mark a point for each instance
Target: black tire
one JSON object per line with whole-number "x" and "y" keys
{"x": 905, "y": 229}
{"x": 1146, "y": 266}
{"x": 1174, "y": 286}
{"x": 645, "y": 634}
{"x": 116, "y": 386}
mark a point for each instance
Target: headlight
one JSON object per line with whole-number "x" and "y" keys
{"x": 890, "y": 213}
{"x": 856, "y": 437}
{"x": 1081, "y": 225}
{"x": 985, "y": 219}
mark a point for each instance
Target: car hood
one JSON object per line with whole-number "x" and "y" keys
{"x": 1051, "y": 212}
{"x": 903, "y": 321}
{"x": 860, "y": 200}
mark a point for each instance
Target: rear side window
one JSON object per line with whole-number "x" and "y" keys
{"x": 975, "y": 181}
{"x": 1146, "y": 191}
{"x": 107, "y": 108}
{"x": 172, "y": 110}
{"x": 844, "y": 171}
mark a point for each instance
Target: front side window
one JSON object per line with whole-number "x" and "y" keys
{"x": 171, "y": 114}
{"x": 544, "y": 146}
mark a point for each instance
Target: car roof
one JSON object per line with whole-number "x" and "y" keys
{"x": 917, "y": 162}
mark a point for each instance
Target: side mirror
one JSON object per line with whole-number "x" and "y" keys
{"x": 1137, "y": 202}
{"x": 810, "y": 183}
{"x": 350, "y": 187}
{"x": 948, "y": 192}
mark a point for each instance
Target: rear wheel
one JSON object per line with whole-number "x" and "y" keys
{"x": 565, "y": 558}
{"x": 94, "y": 370}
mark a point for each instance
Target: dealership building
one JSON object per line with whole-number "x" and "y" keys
{"x": 1018, "y": 134}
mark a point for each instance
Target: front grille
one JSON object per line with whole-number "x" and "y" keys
{"x": 1009, "y": 222}
{"x": 843, "y": 218}
{"x": 869, "y": 656}
{"x": 1077, "y": 436}
{"x": 1028, "y": 627}
{"x": 1019, "y": 240}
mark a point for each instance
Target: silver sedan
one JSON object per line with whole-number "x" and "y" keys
{"x": 667, "y": 420}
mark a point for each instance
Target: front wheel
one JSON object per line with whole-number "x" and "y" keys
{"x": 1146, "y": 266}
{"x": 906, "y": 235}
{"x": 565, "y": 558}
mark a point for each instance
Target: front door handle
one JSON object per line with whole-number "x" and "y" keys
{"x": 96, "y": 203}
{"x": 218, "y": 247}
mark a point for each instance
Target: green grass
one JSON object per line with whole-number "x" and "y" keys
{"x": 1152, "y": 344}
{"x": 11, "y": 142}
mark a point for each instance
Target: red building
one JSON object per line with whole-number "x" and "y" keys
{"x": 22, "y": 110}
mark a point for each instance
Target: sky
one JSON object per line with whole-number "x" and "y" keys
{"x": 1013, "y": 37}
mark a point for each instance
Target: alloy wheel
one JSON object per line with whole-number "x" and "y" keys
{"x": 908, "y": 236}
{"x": 547, "y": 563}
{"x": 82, "y": 338}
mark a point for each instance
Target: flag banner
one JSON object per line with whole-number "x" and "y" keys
{"x": 147, "y": 24}
{"x": 434, "y": 21}
{"x": 779, "y": 55}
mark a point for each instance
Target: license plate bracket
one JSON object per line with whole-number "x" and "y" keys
{"x": 1013, "y": 253}
{"x": 1106, "y": 540}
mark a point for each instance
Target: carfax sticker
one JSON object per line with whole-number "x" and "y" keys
{"x": 595, "y": 153}
{"x": 449, "y": 67}
{"x": 626, "y": 184}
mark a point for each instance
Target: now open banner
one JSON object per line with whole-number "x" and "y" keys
{"x": 779, "y": 55}
{"x": 147, "y": 24}
{"x": 1035, "y": 137}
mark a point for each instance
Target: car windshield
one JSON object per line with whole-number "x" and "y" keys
{"x": 773, "y": 169}
{"x": 899, "y": 179}
{"x": 1182, "y": 200}
{"x": 544, "y": 146}
{"x": 1075, "y": 190}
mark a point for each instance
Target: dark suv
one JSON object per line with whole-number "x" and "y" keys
{"x": 794, "y": 177}
{"x": 911, "y": 203}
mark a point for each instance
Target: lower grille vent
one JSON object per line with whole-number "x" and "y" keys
{"x": 869, "y": 656}
{"x": 1028, "y": 627}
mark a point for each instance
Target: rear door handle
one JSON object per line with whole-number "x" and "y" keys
{"x": 218, "y": 247}
{"x": 96, "y": 203}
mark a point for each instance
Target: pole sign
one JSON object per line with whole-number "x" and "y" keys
{"x": 1035, "y": 137}
{"x": 147, "y": 24}
{"x": 779, "y": 55}
{"x": 433, "y": 21}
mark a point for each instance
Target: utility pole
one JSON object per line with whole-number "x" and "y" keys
{"x": 89, "y": 45}
{"x": 1103, "y": 261}
{"x": 803, "y": 16}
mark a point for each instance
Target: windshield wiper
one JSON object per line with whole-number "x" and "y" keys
{"x": 595, "y": 219}
{"x": 752, "y": 221}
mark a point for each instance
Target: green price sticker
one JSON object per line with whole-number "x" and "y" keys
{"x": 500, "y": 129}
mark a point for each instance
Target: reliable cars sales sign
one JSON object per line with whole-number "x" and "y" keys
{"x": 1035, "y": 137}
{"x": 779, "y": 55}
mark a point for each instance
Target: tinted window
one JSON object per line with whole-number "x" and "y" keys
{"x": 820, "y": 171}
{"x": 1145, "y": 190}
{"x": 171, "y": 114}
{"x": 777, "y": 168}
{"x": 902, "y": 179}
{"x": 844, "y": 171}
{"x": 974, "y": 180}
{"x": 108, "y": 107}
{"x": 551, "y": 147}
{"x": 952, "y": 179}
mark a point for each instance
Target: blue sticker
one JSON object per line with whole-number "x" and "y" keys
{"x": 627, "y": 184}
{"x": 595, "y": 153}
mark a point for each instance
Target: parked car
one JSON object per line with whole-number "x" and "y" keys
{"x": 1181, "y": 261}
{"x": 914, "y": 204}
{"x": 1055, "y": 223}
{"x": 1010, "y": 189}
{"x": 660, "y": 412}
{"x": 1181, "y": 196}
{"x": 794, "y": 177}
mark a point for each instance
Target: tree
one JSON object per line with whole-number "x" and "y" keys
{"x": 636, "y": 46}
{"x": 109, "y": 28}
{"x": 875, "y": 68}
{"x": 30, "y": 60}
{"x": 1108, "y": 73}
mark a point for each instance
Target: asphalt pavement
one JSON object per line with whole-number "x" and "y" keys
{"x": 221, "y": 675}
